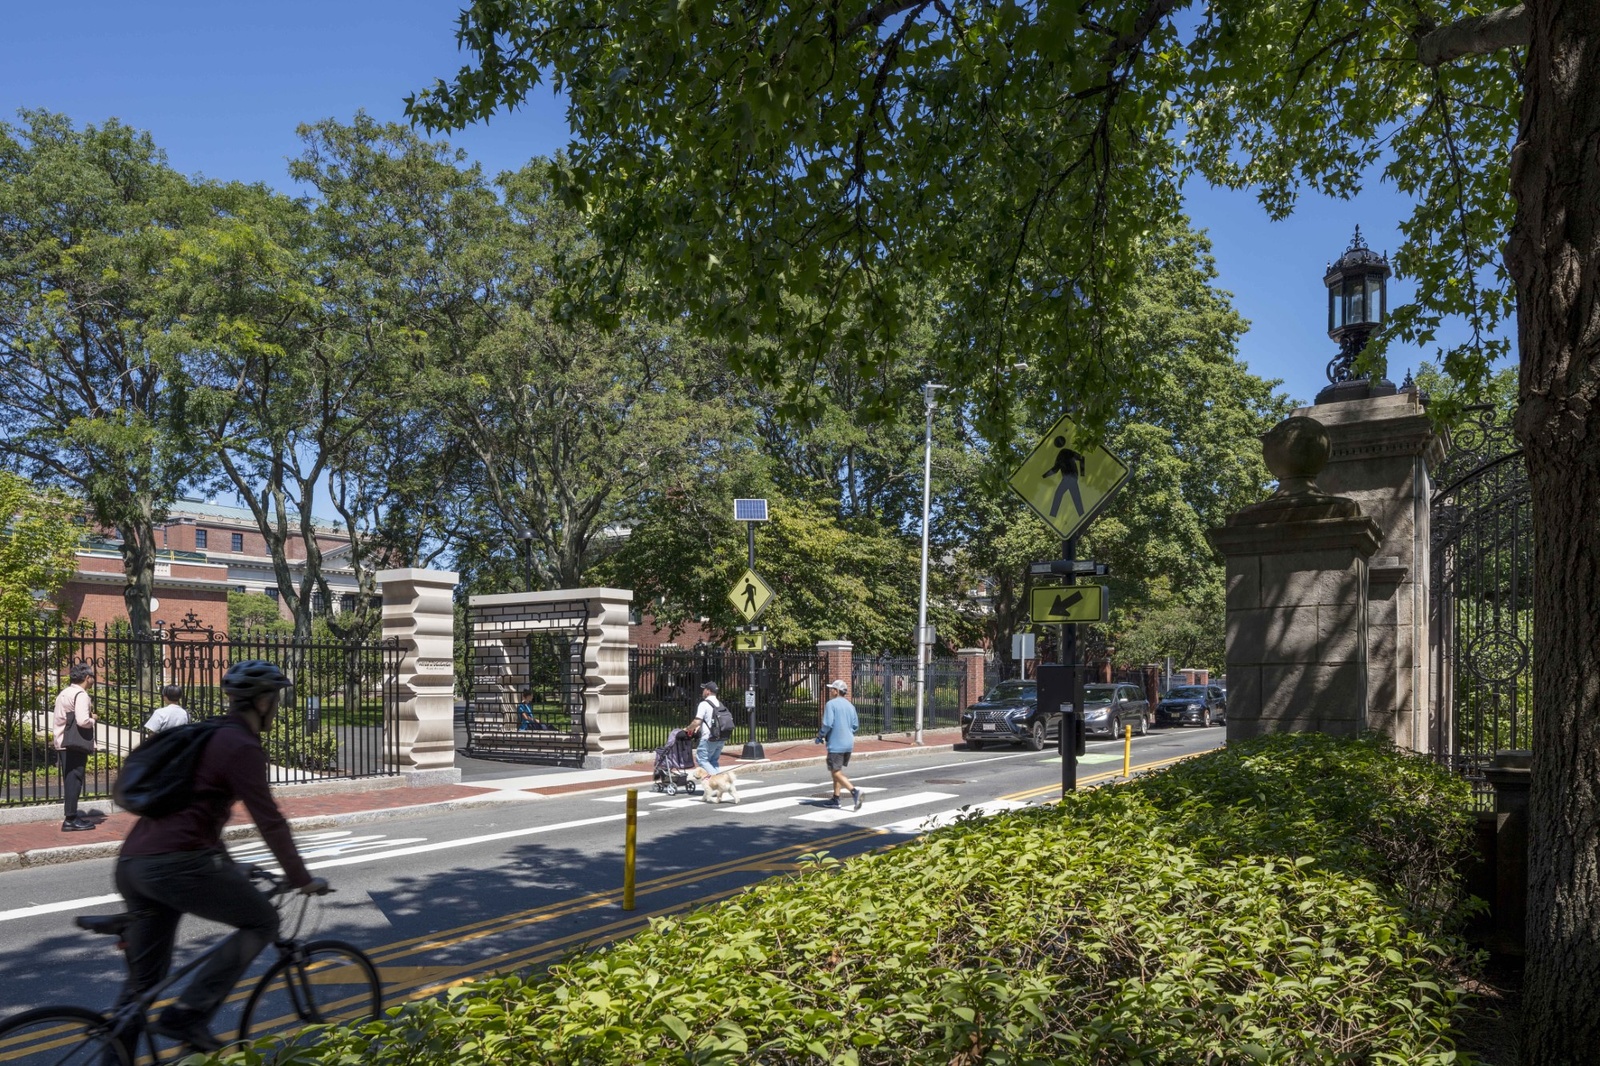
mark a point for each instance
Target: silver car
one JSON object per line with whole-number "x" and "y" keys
{"x": 1107, "y": 708}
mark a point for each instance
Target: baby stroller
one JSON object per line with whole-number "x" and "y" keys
{"x": 674, "y": 763}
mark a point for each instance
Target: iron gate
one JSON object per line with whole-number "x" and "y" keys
{"x": 664, "y": 688}
{"x": 332, "y": 723}
{"x": 525, "y": 694}
{"x": 1481, "y": 607}
{"x": 884, "y": 691}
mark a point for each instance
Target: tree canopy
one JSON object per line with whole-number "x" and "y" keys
{"x": 38, "y": 547}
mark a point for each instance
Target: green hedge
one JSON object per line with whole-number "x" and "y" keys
{"x": 1288, "y": 900}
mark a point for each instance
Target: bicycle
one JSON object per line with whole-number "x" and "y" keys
{"x": 303, "y": 985}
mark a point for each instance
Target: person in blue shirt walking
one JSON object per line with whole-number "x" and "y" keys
{"x": 839, "y": 725}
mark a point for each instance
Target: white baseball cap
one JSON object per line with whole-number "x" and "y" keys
{"x": 838, "y": 685}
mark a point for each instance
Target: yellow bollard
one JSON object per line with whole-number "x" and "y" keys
{"x": 1127, "y": 751}
{"x": 630, "y": 849}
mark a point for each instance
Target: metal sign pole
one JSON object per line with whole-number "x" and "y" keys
{"x": 752, "y": 750}
{"x": 1067, "y": 731}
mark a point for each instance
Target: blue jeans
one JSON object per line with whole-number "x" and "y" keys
{"x": 708, "y": 754}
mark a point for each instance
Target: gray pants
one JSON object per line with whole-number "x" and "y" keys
{"x": 162, "y": 888}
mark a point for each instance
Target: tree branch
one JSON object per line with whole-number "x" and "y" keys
{"x": 877, "y": 15}
{"x": 1480, "y": 35}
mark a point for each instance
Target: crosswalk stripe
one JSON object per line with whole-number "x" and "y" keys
{"x": 929, "y": 822}
{"x": 892, "y": 803}
{"x": 759, "y": 790}
{"x": 794, "y": 801}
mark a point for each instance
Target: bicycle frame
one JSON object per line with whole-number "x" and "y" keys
{"x": 129, "y": 1019}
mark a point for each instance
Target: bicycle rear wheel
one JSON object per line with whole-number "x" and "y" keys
{"x": 330, "y": 981}
{"x": 60, "y": 1036}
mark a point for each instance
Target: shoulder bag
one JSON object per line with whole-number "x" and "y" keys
{"x": 77, "y": 737}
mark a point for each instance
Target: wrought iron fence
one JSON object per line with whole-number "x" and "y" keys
{"x": 332, "y": 724}
{"x": 1481, "y": 614}
{"x": 885, "y": 693}
{"x": 664, "y": 688}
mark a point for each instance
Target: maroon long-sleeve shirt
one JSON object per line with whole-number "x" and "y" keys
{"x": 233, "y": 766}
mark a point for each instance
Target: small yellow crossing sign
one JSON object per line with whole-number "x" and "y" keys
{"x": 1057, "y": 604}
{"x": 749, "y": 642}
{"x": 750, "y": 595}
{"x": 1067, "y": 480}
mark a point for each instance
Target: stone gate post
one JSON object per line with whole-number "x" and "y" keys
{"x": 419, "y": 612}
{"x": 1297, "y": 597}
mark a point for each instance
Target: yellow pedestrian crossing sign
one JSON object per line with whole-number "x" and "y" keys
{"x": 749, "y": 642}
{"x": 1067, "y": 479}
{"x": 750, "y": 595}
{"x": 1056, "y": 604}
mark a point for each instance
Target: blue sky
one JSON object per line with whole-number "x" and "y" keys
{"x": 222, "y": 85}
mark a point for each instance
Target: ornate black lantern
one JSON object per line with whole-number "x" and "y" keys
{"x": 1358, "y": 301}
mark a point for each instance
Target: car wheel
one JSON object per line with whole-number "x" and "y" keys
{"x": 1036, "y": 736}
{"x": 1205, "y": 718}
{"x": 1144, "y": 726}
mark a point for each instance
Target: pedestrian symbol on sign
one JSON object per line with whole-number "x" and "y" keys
{"x": 1068, "y": 468}
{"x": 1069, "y": 464}
{"x": 750, "y": 595}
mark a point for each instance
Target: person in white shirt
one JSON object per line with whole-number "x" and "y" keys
{"x": 170, "y": 716}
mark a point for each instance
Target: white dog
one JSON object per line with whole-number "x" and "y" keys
{"x": 718, "y": 785}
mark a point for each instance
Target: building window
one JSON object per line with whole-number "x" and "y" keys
{"x": 240, "y": 588}
{"x": 272, "y": 593}
{"x": 238, "y": 542}
{"x": 318, "y": 604}
{"x": 347, "y": 603}
{"x": 199, "y": 538}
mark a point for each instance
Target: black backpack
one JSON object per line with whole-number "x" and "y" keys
{"x": 157, "y": 779}
{"x": 721, "y": 720}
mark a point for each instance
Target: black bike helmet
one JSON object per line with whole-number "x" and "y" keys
{"x": 253, "y": 677}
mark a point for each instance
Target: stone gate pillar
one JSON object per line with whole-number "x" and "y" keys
{"x": 1297, "y": 597}
{"x": 419, "y": 612}
{"x": 1383, "y": 452}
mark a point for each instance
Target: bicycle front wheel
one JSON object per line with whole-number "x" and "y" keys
{"x": 328, "y": 981}
{"x": 60, "y": 1036}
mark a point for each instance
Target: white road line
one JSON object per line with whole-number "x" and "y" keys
{"x": 349, "y": 860}
{"x": 892, "y": 803}
{"x": 59, "y": 905}
{"x": 792, "y": 801}
{"x": 664, "y": 800}
{"x": 928, "y": 823}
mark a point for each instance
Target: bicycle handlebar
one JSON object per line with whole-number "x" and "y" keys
{"x": 279, "y": 885}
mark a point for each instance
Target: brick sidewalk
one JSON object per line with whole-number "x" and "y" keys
{"x": 42, "y": 843}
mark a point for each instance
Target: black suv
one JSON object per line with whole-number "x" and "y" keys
{"x": 1202, "y": 705}
{"x": 1009, "y": 714}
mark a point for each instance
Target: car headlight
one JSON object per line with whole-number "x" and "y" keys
{"x": 1192, "y": 707}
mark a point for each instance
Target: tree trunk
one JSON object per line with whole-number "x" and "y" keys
{"x": 1554, "y": 257}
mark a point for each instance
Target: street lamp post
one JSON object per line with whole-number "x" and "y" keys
{"x": 929, "y": 401}
{"x": 527, "y": 560}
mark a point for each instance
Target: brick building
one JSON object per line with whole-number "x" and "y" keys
{"x": 206, "y": 551}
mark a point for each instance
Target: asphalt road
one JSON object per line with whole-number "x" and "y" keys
{"x": 440, "y": 898}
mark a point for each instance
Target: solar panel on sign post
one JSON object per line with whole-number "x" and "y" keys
{"x": 749, "y": 510}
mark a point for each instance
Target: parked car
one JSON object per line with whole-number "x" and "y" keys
{"x": 1202, "y": 705}
{"x": 1107, "y": 708}
{"x": 1009, "y": 714}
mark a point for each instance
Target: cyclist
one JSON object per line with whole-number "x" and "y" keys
{"x": 176, "y": 864}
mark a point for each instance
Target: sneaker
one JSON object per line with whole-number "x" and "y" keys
{"x": 187, "y": 1026}
{"x": 76, "y": 825}
{"x": 855, "y": 794}
{"x": 834, "y": 802}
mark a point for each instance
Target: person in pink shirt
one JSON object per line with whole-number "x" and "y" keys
{"x": 74, "y": 699}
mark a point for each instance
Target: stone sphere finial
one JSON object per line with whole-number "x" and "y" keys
{"x": 1296, "y": 450}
